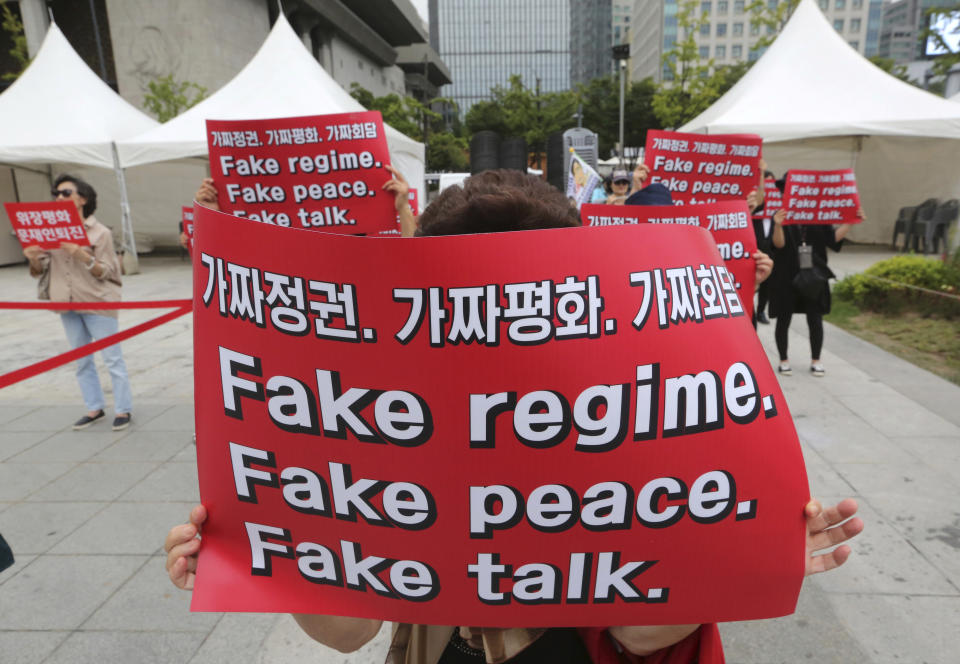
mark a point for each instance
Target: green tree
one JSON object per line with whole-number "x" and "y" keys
{"x": 405, "y": 114}
{"x": 693, "y": 84}
{"x": 13, "y": 26}
{"x": 601, "y": 111}
{"x": 167, "y": 98}
{"x": 941, "y": 63}
{"x": 769, "y": 20}
{"x": 446, "y": 152}
{"x": 890, "y": 66}
{"x": 516, "y": 110}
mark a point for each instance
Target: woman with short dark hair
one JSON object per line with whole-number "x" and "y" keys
{"x": 87, "y": 274}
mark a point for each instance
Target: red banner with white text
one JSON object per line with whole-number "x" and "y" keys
{"x": 701, "y": 168}
{"x": 728, "y": 222}
{"x": 821, "y": 197}
{"x": 772, "y": 200}
{"x": 186, "y": 221}
{"x": 569, "y": 427}
{"x": 47, "y": 224}
{"x": 319, "y": 172}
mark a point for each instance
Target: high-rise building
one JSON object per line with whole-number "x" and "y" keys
{"x": 903, "y": 21}
{"x": 621, "y": 16}
{"x": 728, "y": 37}
{"x": 590, "y": 40}
{"x": 484, "y": 42}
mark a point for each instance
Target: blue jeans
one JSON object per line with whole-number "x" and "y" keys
{"x": 82, "y": 329}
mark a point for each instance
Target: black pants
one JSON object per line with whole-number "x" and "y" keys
{"x": 763, "y": 296}
{"x": 814, "y": 324}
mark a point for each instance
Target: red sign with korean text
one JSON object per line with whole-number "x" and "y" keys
{"x": 728, "y": 222}
{"x": 47, "y": 224}
{"x": 186, "y": 218}
{"x": 772, "y": 200}
{"x": 569, "y": 427}
{"x": 702, "y": 168}
{"x": 821, "y": 197}
{"x": 319, "y": 172}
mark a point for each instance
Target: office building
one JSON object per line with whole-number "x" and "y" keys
{"x": 903, "y": 22}
{"x": 728, "y": 37}
{"x": 590, "y": 40}
{"x": 621, "y": 16}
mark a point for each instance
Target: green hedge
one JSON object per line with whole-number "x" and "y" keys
{"x": 910, "y": 270}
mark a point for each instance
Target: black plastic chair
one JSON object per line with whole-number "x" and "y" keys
{"x": 923, "y": 219}
{"x": 903, "y": 224}
{"x": 936, "y": 230}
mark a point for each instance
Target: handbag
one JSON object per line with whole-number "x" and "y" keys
{"x": 43, "y": 285}
{"x": 813, "y": 275}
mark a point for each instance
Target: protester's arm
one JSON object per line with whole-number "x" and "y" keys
{"x": 843, "y": 229}
{"x": 182, "y": 545}
{"x": 36, "y": 257}
{"x": 754, "y": 199}
{"x": 778, "y": 237}
{"x": 397, "y": 185}
{"x": 207, "y": 195}
{"x": 640, "y": 175}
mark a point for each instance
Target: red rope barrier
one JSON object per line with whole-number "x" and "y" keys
{"x": 183, "y": 307}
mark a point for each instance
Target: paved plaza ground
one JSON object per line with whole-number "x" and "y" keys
{"x": 86, "y": 512}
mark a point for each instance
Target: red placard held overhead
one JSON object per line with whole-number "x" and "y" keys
{"x": 319, "y": 172}
{"x": 728, "y": 222}
{"x": 821, "y": 197}
{"x": 47, "y": 224}
{"x": 186, "y": 218}
{"x": 700, "y": 168}
{"x": 570, "y": 427}
{"x": 772, "y": 200}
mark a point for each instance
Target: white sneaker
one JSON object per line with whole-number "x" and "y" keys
{"x": 784, "y": 369}
{"x": 817, "y": 370}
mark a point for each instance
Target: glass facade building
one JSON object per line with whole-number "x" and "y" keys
{"x": 590, "y": 40}
{"x": 484, "y": 42}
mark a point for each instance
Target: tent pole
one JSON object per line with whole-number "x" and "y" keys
{"x": 131, "y": 264}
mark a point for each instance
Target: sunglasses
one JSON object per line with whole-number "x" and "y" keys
{"x": 57, "y": 193}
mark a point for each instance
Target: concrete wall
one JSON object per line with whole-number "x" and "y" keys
{"x": 349, "y": 65}
{"x": 205, "y": 43}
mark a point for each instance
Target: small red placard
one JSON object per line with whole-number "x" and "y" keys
{"x": 47, "y": 224}
{"x": 821, "y": 197}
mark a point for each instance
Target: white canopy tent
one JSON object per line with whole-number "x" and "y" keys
{"x": 818, "y": 103}
{"x": 282, "y": 80}
{"x": 59, "y": 111}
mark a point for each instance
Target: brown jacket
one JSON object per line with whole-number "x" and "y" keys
{"x": 71, "y": 281}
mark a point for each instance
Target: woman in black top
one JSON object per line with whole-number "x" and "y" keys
{"x": 785, "y": 297}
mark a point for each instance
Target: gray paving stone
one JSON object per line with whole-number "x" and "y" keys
{"x": 67, "y": 447}
{"x": 824, "y": 480}
{"x": 176, "y": 418}
{"x": 124, "y": 528}
{"x": 934, "y": 451}
{"x": 17, "y": 481}
{"x": 36, "y": 527}
{"x": 20, "y": 563}
{"x": 139, "y": 647}
{"x": 893, "y": 629}
{"x": 236, "y": 632}
{"x": 48, "y": 418}
{"x": 15, "y": 442}
{"x": 28, "y": 647}
{"x": 169, "y": 482}
{"x": 61, "y": 592}
{"x": 149, "y": 602}
{"x": 145, "y": 446}
{"x": 884, "y": 561}
{"x": 815, "y": 633}
{"x": 850, "y": 439}
{"x": 898, "y": 416}
{"x": 10, "y": 412}
{"x": 94, "y": 481}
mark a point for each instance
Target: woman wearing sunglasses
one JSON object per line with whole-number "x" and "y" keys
{"x": 87, "y": 274}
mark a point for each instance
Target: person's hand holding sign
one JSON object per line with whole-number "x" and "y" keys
{"x": 764, "y": 266}
{"x": 640, "y": 175}
{"x": 207, "y": 195}
{"x": 398, "y": 186}
{"x": 826, "y": 528}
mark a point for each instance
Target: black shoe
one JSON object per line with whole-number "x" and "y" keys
{"x": 86, "y": 420}
{"x": 762, "y": 318}
{"x": 121, "y": 422}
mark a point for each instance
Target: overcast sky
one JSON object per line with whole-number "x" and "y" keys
{"x": 421, "y": 6}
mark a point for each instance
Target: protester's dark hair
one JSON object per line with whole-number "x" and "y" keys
{"x": 83, "y": 189}
{"x": 495, "y": 201}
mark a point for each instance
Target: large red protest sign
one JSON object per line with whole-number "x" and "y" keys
{"x": 47, "y": 224}
{"x": 319, "y": 172}
{"x": 584, "y": 431}
{"x": 821, "y": 197}
{"x": 772, "y": 200}
{"x": 728, "y": 222}
{"x": 701, "y": 168}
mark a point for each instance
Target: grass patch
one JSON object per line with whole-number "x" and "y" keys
{"x": 931, "y": 343}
